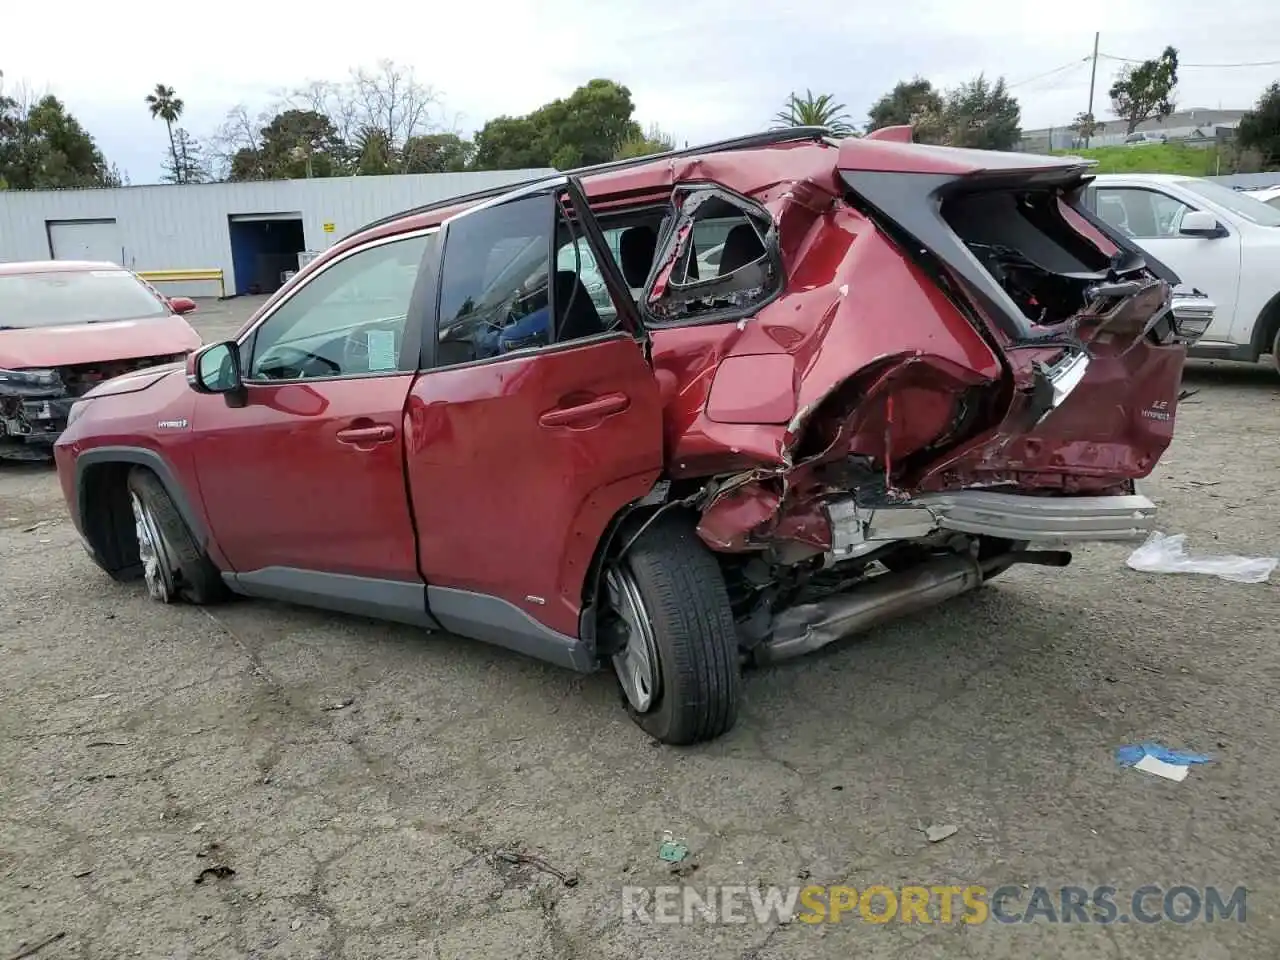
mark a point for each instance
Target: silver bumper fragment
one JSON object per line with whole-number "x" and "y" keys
{"x": 858, "y": 530}
{"x": 1020, "y": 517}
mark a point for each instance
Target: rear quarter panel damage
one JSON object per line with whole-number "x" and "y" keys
{"x": 748, "y": 396}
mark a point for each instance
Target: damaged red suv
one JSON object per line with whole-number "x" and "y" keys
{"x": 832, "y": 381}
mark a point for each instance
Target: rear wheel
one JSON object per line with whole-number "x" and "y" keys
{"x": 677, "y": 662}
{"x": 173, "y": 564}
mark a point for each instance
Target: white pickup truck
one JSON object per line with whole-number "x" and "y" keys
{"x": 1222, "y": 242}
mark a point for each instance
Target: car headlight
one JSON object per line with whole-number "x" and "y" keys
{"x": 29, "y": 378}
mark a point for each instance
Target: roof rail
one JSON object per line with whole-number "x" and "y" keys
{"x": 748, "y": 142}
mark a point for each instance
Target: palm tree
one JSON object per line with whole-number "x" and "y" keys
{"x": 168, "y": 107}
{"x": 811, "y": 111}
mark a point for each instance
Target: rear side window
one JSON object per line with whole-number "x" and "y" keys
{"x": 721, "y": 260}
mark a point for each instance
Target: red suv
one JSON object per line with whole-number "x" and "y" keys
{"x": 832, "y": 381}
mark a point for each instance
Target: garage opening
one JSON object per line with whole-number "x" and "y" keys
{"x": 264, "y": 249}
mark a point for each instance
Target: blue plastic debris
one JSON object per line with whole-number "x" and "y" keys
{"x": 1130, "y": 755}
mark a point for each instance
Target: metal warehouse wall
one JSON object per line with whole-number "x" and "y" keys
{"x": 171, "y": 227}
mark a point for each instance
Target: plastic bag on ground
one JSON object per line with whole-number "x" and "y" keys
{"x": 1161, "y": 554}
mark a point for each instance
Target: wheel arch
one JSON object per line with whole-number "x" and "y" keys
{"x": 1266, "y": 327}
{"x": 101, "y": 477}
{"x": 626, "y": 523}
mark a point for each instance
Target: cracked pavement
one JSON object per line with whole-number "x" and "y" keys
{"x": 359, "y": 778}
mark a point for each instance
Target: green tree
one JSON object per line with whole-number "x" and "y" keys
{"x": 587, "y": 127}
{"x": 300, "y": 143}
{"x": 374, "y": 151}
{"x": 814, "y": 111}
{"x": 188, "y": 164}
{"x": 1259, "y": 129}
{"x": 981, "y": 114}
{"x": 913, "y": 102}
{"x": 509, "y": 143}
{"x": 1145, "y": 91}
{"x": 436, "y": 153}
{"x": 652, "y": 141}
{"x": 165, "y": 104}
{"x": 1086, "y": 125}
{"x": 44, "y": 147}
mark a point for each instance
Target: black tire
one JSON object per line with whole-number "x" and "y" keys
{"x": 198, "y": 580}
{"x": 685, "y": 599}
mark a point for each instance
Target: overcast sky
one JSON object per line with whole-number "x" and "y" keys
{"x": 701, "y": 69}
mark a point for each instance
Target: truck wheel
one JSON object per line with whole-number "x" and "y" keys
{"x": 678, "y": 665}
{"x": 173, "y": 564}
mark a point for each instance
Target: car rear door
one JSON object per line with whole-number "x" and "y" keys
{"x": 521, "y": 449}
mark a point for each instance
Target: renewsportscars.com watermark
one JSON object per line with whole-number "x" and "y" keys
{"x": 1013, "y": 903}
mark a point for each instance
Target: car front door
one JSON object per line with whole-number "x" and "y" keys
{"x": 1152, "y": 218}
{"x": 303, "y": 482}
{"x": 526, "y": 437}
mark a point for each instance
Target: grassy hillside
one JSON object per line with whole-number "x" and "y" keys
{"x": 1153, "y": 158}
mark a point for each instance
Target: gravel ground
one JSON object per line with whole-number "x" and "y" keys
{"x": 142, "y": 745}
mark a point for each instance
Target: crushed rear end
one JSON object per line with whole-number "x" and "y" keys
{"x": 964, "y": 364}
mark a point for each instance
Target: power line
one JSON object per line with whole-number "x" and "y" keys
{"x": 1049, "y": 73}
{"x": 1209, "y": 66}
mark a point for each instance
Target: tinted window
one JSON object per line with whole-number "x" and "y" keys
{"x": 88, "y": 296}
{"x": 494, "y": 291}
{"x": 348, "y": 319}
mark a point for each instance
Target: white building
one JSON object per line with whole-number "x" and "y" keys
{"x": 252, "y": 232}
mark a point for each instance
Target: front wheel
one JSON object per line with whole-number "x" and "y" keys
{"x": 173, "y": 563}
{"x": 677, "y": 662}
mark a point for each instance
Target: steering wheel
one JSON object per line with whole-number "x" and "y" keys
{"x": 302, "y": 359}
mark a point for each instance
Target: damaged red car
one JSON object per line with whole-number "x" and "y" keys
{"x": 67, "y": 326}
{"x": 833, "y": 381}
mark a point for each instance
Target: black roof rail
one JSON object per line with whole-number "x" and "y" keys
{"x": 747, "y": 142}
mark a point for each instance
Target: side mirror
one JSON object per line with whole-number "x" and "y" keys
{"x": 1201, "y": 223}
{"x": 181, "y": 305}
{"x": 216, "y": 369}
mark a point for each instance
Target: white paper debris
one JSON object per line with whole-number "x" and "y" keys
{"x": 382, "y": 350}
{"x": 1170, "y": 771}
{"x": 1161, "y": 554}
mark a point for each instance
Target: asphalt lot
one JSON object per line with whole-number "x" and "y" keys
{"x": 142, "y": 744}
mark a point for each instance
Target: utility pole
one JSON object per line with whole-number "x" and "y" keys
{"x": 1093, "y": 75}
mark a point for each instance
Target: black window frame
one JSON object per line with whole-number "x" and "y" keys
{"x": 427, "y": 292}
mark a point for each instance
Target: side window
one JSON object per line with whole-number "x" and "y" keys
{"x": 722, "y": 260}
{"x": 1139, "y": 213}
{"x": 349, "y": 320}
{"x": 497, "y": 293}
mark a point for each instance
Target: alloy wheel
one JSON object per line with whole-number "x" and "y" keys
{"x": 636, "y": 663}
{"x": 153, "y": 552}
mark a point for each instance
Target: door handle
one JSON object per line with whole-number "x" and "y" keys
{"x": 592, "y": 409}
{"x": 378, "y": 433}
